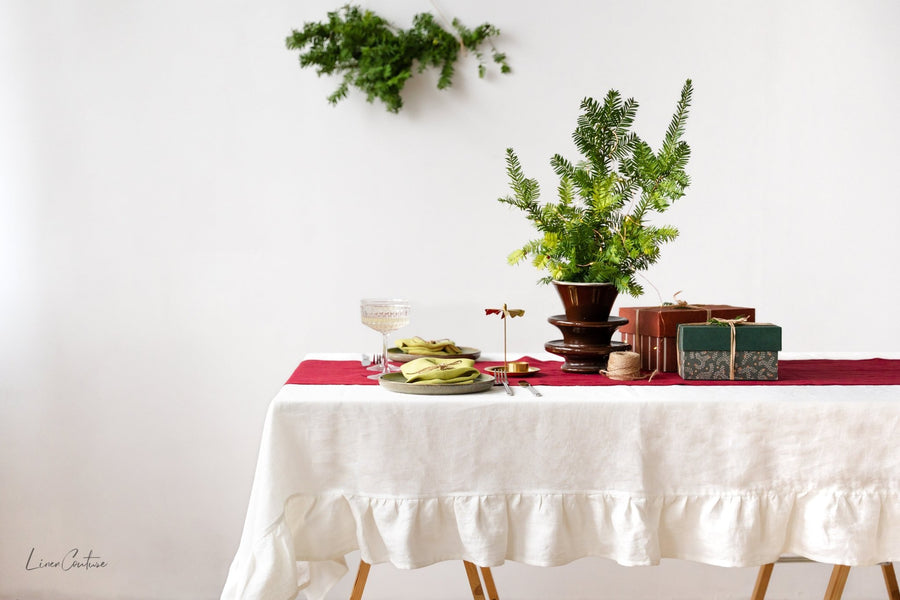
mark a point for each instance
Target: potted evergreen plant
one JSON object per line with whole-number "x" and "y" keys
{"x": 596, "y": 236}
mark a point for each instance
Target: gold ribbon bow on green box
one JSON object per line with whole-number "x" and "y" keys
{"x": 733, "y": 349}
{"x": 433, "y": 371}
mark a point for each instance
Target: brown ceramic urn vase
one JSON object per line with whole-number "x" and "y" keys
{"x": 587, "y": 327}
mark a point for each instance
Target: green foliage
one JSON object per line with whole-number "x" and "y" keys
{"x": 597, "y": 231}
{"x": 378, "y": 58}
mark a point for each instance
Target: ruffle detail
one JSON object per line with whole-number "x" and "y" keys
{"x": 552, "y": 529}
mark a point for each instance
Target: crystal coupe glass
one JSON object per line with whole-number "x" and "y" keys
{"x": 384, "y": 316}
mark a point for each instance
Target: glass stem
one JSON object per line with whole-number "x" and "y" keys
{"x": 385, "y": 369}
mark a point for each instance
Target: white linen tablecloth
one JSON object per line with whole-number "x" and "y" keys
{"x": 729, "y": 476}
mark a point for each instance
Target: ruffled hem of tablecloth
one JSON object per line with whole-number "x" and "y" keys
{"x": 837, "y": 526}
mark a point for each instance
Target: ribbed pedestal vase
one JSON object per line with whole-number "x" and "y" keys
{"x": 587, "y": 327}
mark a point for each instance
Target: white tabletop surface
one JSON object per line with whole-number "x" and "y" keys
{"x": 730, "y": 476}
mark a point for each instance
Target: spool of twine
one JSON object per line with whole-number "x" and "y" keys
{"x": 624, "y": 366}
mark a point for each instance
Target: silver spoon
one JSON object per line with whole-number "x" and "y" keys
{"x": 530, "y": 387}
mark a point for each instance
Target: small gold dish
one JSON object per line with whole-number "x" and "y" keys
{"x": 518, "y": 367}
{"x": 500, "y": 369}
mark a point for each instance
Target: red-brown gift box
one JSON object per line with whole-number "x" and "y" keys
{"x": 652, "y": 330}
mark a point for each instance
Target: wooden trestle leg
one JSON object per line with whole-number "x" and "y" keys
{"x": 471, "y": 574}
{"x": 360, "y": 584}
{"x": 762, "y": 581}
{"x": 836, "y": 584}
{"x": 474, "y": 580}
{"x": 890, "y": 581}
{"x": 491, "y": 589}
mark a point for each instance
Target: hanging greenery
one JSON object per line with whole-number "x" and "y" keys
{"x": 377, "y": 57}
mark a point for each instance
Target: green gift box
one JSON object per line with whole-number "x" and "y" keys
{"x": 729, "y": 350}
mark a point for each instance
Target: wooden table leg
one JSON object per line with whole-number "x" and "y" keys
{"x": 762, "y": 581}
{"x": 474, "y": 580}
{"x": 491, "y": 589}
{"x": 836, "y": 583}
{"x": 360, "y": 584}
{"x": 890, "y": 581}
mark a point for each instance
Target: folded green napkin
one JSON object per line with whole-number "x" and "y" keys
{"x": 432, "y": 371}
{"x": 416, "y": 345}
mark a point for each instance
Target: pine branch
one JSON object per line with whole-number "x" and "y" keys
{"x": 676, "y": 127}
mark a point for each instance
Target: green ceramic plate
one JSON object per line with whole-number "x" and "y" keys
{"x": 397, "y": 355}
{"x": 396, "y": 382}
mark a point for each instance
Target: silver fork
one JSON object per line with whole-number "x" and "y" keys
{"x": 376, "y": 362}
{"x": 503, "y": 378}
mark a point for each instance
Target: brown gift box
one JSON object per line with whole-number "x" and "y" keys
{"x": 652, "y": 330}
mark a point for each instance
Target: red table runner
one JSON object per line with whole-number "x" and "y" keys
{"x": 875, "y": 371}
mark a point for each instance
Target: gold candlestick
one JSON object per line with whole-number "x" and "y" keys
{"x": 504, "y": 313}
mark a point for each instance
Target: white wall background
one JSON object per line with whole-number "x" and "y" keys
{"x": 183, "y": 216}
